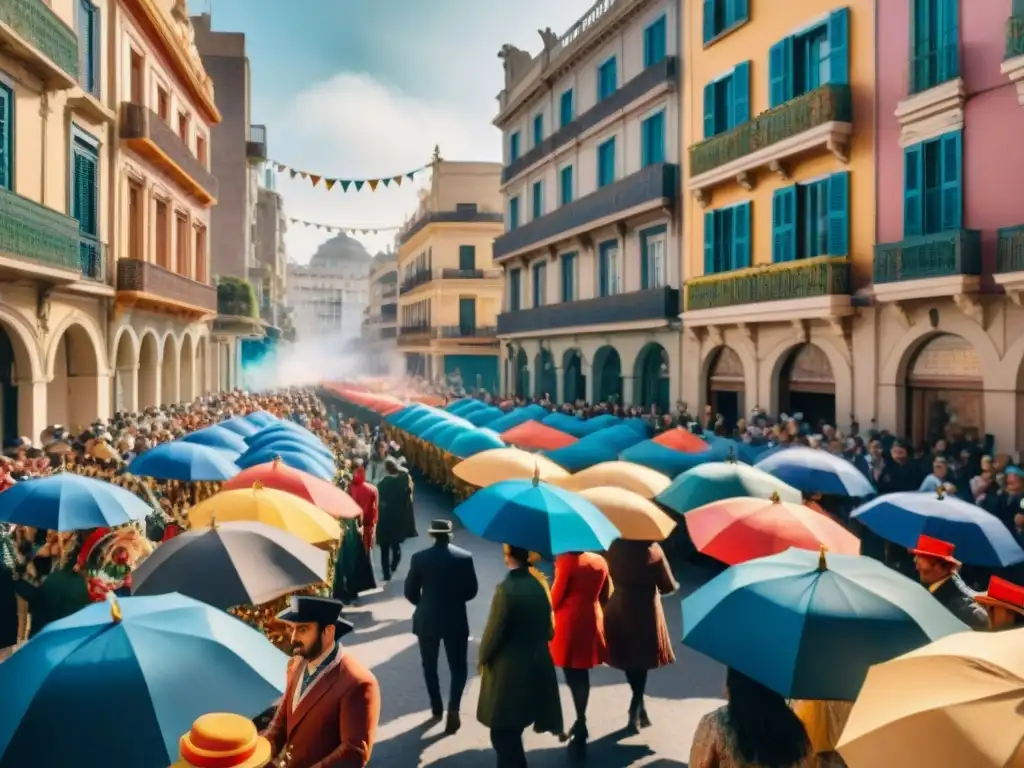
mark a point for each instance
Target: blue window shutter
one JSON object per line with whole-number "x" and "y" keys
{"x": 740, "y": 94}
{"x": 784, "y": 224}
{"x": 6, "y": 130}
{"x": 566, "y": 184}
{"x": 913, "y": 190}
{"x": 948, "y": 63}
{"x": 654, "y": 42}
{"x": 740, "y": 257}
{"x": 839, "y": 46}
{"x": 602, "y": 270}
{"x": 566, "y": 109}
{"x": 780, "y": 72}
{"x": 644, "y": 267}
{"x": 709, "y": 243}
{"x": 839, "y": 214}
{"x": 709, "y": 20}
{"x": 709, "y": 110}
{"x": 513, "y": 147}
{"x": 513, "y": 213}
{"x": 737, "y": 11}
{"x": 951, "y": 168}
{"x": 538, "y": 130}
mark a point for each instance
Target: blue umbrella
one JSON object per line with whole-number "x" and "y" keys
{"x": 481, "y": 417}
{"x": 812, "y": 471}
{"x": 516, "y": 417}
{"x": 718, "y": 480}
{"x": 305, "y": 462}
{"x": 425, "y": 420}
{"x": 442, "y": 435}
{"x": 187, "y": 462}
{"x": 536, "y": 516}
{"x": 217, "y": 437}
{"x": 570, "y": 425}
{"x": 740, "y": 450}
{"x": 809, "y": 629}
{"x": 472, "y": 442}
{"x": 239, "y": 426}
{"x": 288, "y": 443}
{"x": 67, "y": 502}
{"x": 596, "y": 448}
{"x": 270, "y": 438}
{"x": 284, "y": 428}
{"x": 465, "y": 406}
{"x": 668, "y": 461}
{"x": 980, "y": 537}
{"x": 430, "y": 433}
{"x": 154, "y": 664}
{"x": 399, "y": 418}
{"x": 262, "y": 418}
{"x": 640, "y": 425}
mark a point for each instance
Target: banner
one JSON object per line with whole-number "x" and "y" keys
{"x": 346, "y": 230}
{"x": 355, "y": 185}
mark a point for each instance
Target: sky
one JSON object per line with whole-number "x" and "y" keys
{"x": 367, "y": 88}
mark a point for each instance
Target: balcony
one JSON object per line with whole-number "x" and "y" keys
{"x": 416, "y": 279}
{"x": 144, "y": 132}
{"x": 931, "y": 266}
{"x": 1013, "y": 55}
{"x": 468, "y": 216}
{"x": 150, "y": 286}
{"x": 414, "y": 335}
{"x": 819, "y": 119}
{"x": 650, "y": 308}
{"x": 664, "y": 74}
{"x": 1009, "y": 272}
{"x": 790, "y": 291}
{"x": 487, "y": 334}
{"x": 256, "y": 144}
{"x": 37, "y": 241}
{"x": 32, "y": 33}
{"x": 656, "y": 186}
{"x": 425, "y": 276}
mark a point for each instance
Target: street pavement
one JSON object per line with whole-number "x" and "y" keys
{"x": 678, "y": 695}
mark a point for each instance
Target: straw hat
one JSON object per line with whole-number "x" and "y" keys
{"x": 223, "y": 740}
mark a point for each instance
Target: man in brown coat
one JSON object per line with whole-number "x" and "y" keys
{"x": 328, "y": 716}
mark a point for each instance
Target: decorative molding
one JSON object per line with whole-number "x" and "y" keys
{"x": 714, "y": 336}
{"x": 800, "y": 329}
{"x": 1014, "y": 69}
{"x": 702, "y": 199}
{"x": 776, "y": 166}
{"x": 745, "y": 180}
{"x": 749, "y": 332}
{"x": 841, "y": 330}
{"x": 971, "y": 306}
{"x": 900, "y": 312}
{"x": 932, "y": 113}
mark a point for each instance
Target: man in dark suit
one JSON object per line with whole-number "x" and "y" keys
{"x": 441, "y": 581}
{"x": 938, "y": 570}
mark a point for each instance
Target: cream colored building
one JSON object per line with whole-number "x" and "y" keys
{"x": 590, "y": 185}
{"x": 327, "y": 296}
{"x": 380, "y": 324}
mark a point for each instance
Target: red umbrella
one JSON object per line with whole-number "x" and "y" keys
{"x": 534, "y": 436}
{"x": 682, "y": 440}
{"x": 741, "y": 529}
{"x": 281, "y": 477}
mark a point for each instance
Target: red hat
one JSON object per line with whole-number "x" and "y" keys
{"x": 936, "y": 548}
{"x": 1003, "y": 593}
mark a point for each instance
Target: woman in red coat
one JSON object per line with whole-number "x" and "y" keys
{"x": 579, "y": 593}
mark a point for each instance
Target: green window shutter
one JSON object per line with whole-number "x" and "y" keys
{"x": 566, "y": 109}
{"x": 948, "y": 64}
{"x": 645, "y": 276}
{"x": 839, "y": 46}
{"x": 709, "y": 243}
{"x": 737, "y": 11}
{"x": 6, "y": 131}
{"x": 467, "y": 257}
{"x": 839, "y": 214}
{"x": 951, "y": 169}
{"x": 780, "y": 72}
{"x": 566, "y": 185}
{"x": 784, "y": 224}
{"x": 709, "y": 20}
{"x": 740, "y": 257}
{"x": 740, "y": 94}
{"x": 913, "y": 183}
{"x": 709, "y": 110}
{"x": 467, "y": 314}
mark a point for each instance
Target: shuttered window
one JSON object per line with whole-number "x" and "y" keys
{"x": 727, "y": 101}
{"x": 722, "y": 15}
{"x": 88, "y": 22}
{"x": 932, "y": 185}
{"x": 935, "y": 43}
{"x": 85, "y": 203}
{"x": 6, "y": 134}
{"x": 812, "y": 219}
{"x": 727, "y": 239}
{"x": 818, "y": 56}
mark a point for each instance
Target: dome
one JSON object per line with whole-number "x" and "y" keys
{"x": 341, "y": 250}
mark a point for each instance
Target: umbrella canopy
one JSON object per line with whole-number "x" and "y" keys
{"x": 734, "y": 531}
{"x": 577, "y": 427}
{"x": 535, "y": 436}
{"x": 498, "y": 464}
{"x": 683, "y": 440}
{"x": 425, "y": 420}
{"x": 617, "y": 474}
{"x": 809, "y": 627}
{"x": 67, "y": 502}
{"x": 812, "y": 471}
{"x": 471, "y": 442}
{"x": 281, "y": 426}
{"x": 154, "y": 664}
{"x": 719, "y": 480}
{"x": 430, "y": 434}
{"x": 538, "y": 517}
{"x": 270, "y": 506}
{"x": 187, "y": 462}
{"x": 241, "y": 563}
{"x": 239, "y": 426}
{"x": 668, "y": 461}
{"x": 268, "y": 436}
{"x": 980, "y": 537}
{"x": 639, "y": 425}
{"x": 481, "y": 417}
{"x": 465, "y": 406}
{"x": 217, "y": 437}
{"x": 516, "y": 417}
{"x": 288, "y": 443}
{"x": 262, "y": 418}
{"x": 448, "y": 434}
{"x": 399, "y": 418}
{"x": 312, "y": 463}
{"x": 959, "y": 704}
{"x": 636, "y": 518}
{"x": 318, "y": 492}
{"x": 598, "y": 448}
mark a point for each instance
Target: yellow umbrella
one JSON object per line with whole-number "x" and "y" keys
{"x": 272, "y": 507}
{"x": 498, "y": 464}
{"x": 636, "y": 518}
{"x": 617, "y": 474}
{"x": 954, "y": 703}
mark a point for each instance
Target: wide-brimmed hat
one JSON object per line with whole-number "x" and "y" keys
{"x": 308, "y": 609}
{"x": 1004, "y": 594}
{"x": 935, "y": 548}
{"x": 223, "y": 740}
{"x": 440, "y": 527}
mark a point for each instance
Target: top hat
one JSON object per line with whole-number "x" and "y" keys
{"x": 225, "y": 741}
{"x": 307, "y": 609}
{"x": 935, "y": 548}
{"x": 440, "y": 527}
{"x": 1004, "y": 594}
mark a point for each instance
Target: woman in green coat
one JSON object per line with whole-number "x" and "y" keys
{"x": 514, "y": 648}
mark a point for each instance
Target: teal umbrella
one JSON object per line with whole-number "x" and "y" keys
{"x": 472, "y": 442}
{"x": 720, "y": 480}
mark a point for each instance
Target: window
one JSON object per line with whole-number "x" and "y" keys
{"x": 182, "y": 245}
{"x": 727, "y": 239}
{"x": 137, "y": 78}
{"x": 183, "y": 121}
{"x": 513, "y": 212}
{"x": 538, "y": 130}
{"x": 652, "y": 258}
{"x": 608, "y": 281}
{"x": 163, "y": 235}
{"x": 569, "y": 292}
{"x": 163, "y": 104}
{"x": 816, "y": 57}
{"x": 467, "y": 258}
{"x": 606, "y": 163}
{"x": 538, "y": 199}
{"x": 566, "y": 109}
{"x": 201, "y": 273}
{"x": 466, "y": 207}
{"x": 88, "y": 21}
{"x": 515, "y": 289}
{"x": 722, "y": 15}
{"x": 727, "y": 101}
{"x": 935, "y": 43}
{"x": 6, "y": 136}
{"x": 513, "y": 147}
{"x": 136, "y": 241}
{"x": 607, "y": 79}
{"x": 932, "y": 185}
{"x": 655, "y": 41}
{"x": 467, "y": 315}
{"x": 201, "y": 149}
{"x": 540, "y": 284}
{"x": 565, "y": 184}
{"x": 85, "y": 200}
{"x": 812, "y": 219}
{"x": 652, "y": 140}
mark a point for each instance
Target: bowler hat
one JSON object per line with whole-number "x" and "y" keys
{"x": 440, "y": 527}
{"x": 224, "y": 740}
{"x": 307, "y": 609}
{"x": 937, "y": 549}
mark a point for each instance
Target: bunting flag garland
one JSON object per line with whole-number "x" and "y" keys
{"x": 356, "y": 185}
{"x": 346, "y": 230}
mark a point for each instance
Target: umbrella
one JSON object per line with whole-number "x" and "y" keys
{"x": 481, "y": 417}
{"x": 67, "y": 502}
{"x": 737, "y": 530}
{"x": 241, "y": 563}
{"x": 577, "y": 427}
{"x": 307, "y": 462}
{"x": 287, "y": 443}
{"x": 399, "y": 418}
{"x": 669, "y": 461}
{"x": 430, "y": 435}
{"x": 239, "y": 426}
{"x": 617, "y": 474}
{"x": 270, "y": 506}
{"x": 472, "y": 442}
{"x": 146, "y": 667}
{"x": 318, "y": 492}
{"x": 187, "y": 462}
{"x": 514, "y": 418}
{"x": 812, "y": 471}
{"x": 720, "y": 480}
{"x": 425, "y": 421}
{"x": 262, "y": 418}
{"x": 596, "y": 448}
{"x": 980, "y": 537}
{"x": 497, "y": 464}
{"x": 217, "y": 437}
{"x": 959, "y": 704}
{"x": 284, "y": 428}
{"x": 536, "y": 516}
{"x": 465, "y": 406}
{"x": 679, "y": 439}
{"x": 535, "y": 436}
{"x": 447, "y": 435}
{"x": 636, "y": 518}
{"x": 809, "y": 628}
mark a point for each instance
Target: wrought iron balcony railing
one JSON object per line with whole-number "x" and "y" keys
{"x": 942, "y": 254}
{"x": 824, "y": 276}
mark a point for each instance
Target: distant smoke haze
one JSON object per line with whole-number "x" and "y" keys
{"x": 311, "y": 361}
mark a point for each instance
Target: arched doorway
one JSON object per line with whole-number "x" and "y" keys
{"x": 123, "y": 382}
{"x": 202, "y": 369}
{"x": 807, "y": 386}
{"x": 187, "y": 388}
{"x": 726, "y": 384}
{"x": 653, "y": 378}
{"x": 546, "y": 378}
{"x": 149, "y": 371}
{"x": 73, "y": 396}
{"x": 15, "y": 365}
{"x": 945, "y": 391}
{"x": 169, "y": 371}
{"x": 522, "y": 373}
{"x": 575, "y": 383}
{"x": 608, "y": 375}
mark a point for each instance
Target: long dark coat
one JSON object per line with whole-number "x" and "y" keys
{"x": 634, "y": 623}
{"x": 397, "y": 520}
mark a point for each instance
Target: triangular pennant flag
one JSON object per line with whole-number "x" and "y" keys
{"x": 374, "y": 232}
{"x": 386, "y": 181}
{"x": 304, "y": 175}
{"x": 329, "y": 183}
{"x": 398, "y": 181}
{"x": 281, "y": 167}
{"x": 293, "y": 173}
{"x": 359, "y": 184}
{"x": 315, "y": 179}
{"x": 410, "y": 174}
{"x": 373, "y": 184}
{"x": 344, "y": 184}
{"x": 362, "y": 231}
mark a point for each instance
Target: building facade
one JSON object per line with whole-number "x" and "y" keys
{"x": 779, "y": 122}
{"x": 270, "y": 277}
{"x": 590, "y": 185}
{"x": 328, "y": 296}
{"x": 380, "y": 326}
{"x": 449, "y": 292}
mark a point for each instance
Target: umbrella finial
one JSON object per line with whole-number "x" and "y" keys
{"x": 822, "y": 564}
{"x": 277, "y": 462}
{"x": 536, "y": 474}
{"x": 775, "y": 498}
{"x": 940, "y": 493}
{"x": 258, "y": 485}
{"x": 213, "y": 520}
{"x": 115, "y": 608}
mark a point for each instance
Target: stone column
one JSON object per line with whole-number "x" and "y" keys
{"x": 32, "y": 406}
{"x": 628, "y": 390}
{"x": 588, "y": 375}
{"x": 559, "y": 394}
